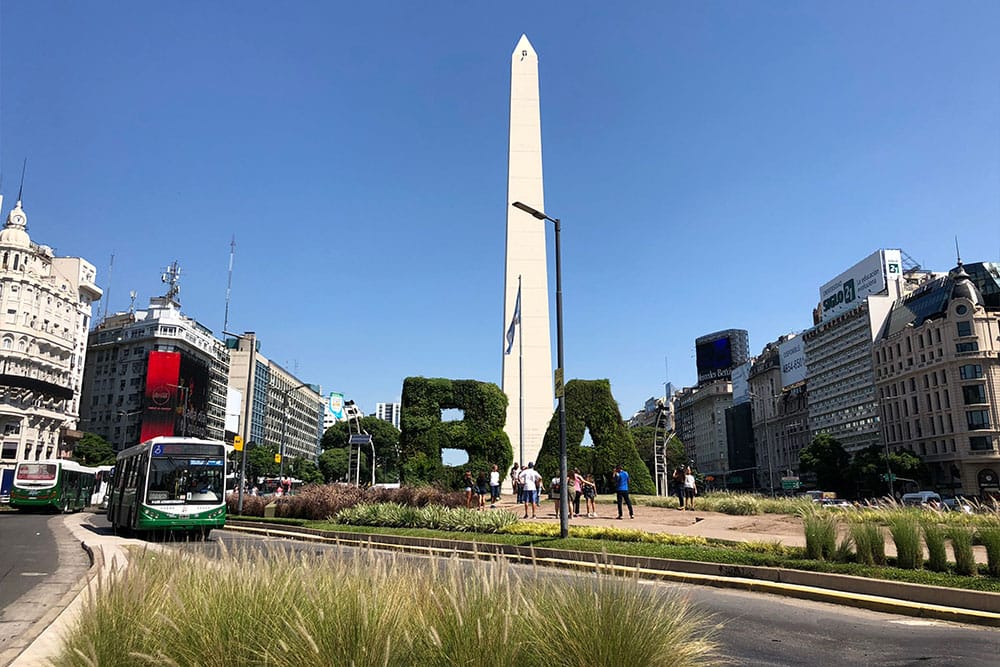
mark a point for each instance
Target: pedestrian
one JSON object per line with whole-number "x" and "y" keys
{"x": 554, "y": 492}
{"x": 515, "y": 483}
{"x": 679, "y": 486}
{"x": 494, "y": 486}
{"x": 531, "y": 484}
{"x": 590, "y": 493}
{"x": 690, "y": 489}
{"x": 482, "y": 488}
{"x": 577, "y": 482}
{"x": 468, "y": 484}
{"x": 621, "y": 479}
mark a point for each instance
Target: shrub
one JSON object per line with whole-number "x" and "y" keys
{"x": 821, "y": 533}
{"x": 937, "y": 555}
{"x": 869, "y": 543}
{"x": 961, "y": 544}
{"x": 905, "y": 531}
{"x": 737, "y": 504}
{"x": 989, "y": 535}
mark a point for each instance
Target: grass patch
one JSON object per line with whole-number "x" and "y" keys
{"x": 177, "y": 609}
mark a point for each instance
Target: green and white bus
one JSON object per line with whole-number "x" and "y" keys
{"x": 58, "y": 484}
{"x": 170, "y": 483}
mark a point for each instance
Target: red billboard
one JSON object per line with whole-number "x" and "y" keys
{"x": 158, "y": 416}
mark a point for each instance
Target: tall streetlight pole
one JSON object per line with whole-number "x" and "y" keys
{"x": 560, "y": 376}
{"x": 251, "y": 337}
{"x": 284, "y": 427}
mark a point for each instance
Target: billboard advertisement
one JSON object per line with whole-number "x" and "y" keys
{"x": 869, "y": 276}
{"x": 191, "y": 413}
{"x": 792, "y": 353}
{"x": 714, "y": 359}
{"x": 741, "y": 383}
{"x": 335, "y": 406}
{"x": 234, "y": 397}
{"x": 162, "y": 371}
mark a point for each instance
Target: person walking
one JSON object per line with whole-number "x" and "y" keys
{"x": 515, "y": 483}
{"x": 621, "y": 481}
{"x": 590, "y": 493}
{"x": 468, "y": 484}
{"x": 531, "y": 484}
{"x": 690, "y": 489}
{"x": 494, "y": 486}
{"x": 679, "y": 486}
{"x": 482, "y": 488}
{"x": 577, "y": 481}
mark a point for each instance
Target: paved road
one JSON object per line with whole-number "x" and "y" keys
{"x": 40, "y": 562}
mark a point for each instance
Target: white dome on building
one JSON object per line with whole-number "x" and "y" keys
{"x": 14, "y": 233}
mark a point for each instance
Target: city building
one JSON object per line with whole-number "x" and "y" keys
{"x": 282, "y": 410}
{"x": 46, "y": 305}
{"x": 388, "y": 412}
{"x": 717, "y": 354}
{"x": 701, "y": 426}
{"x": 937, "y": 374}
{"x": 776, "y": 388}
{"x": 851, "y": 311}
{"x": 154, "y": 372}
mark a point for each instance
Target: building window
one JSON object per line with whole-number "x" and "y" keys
{"x": 972, "y": 346}
{"x": 964, "y": 328}
{"x": 970, "y": 371}
{"x": 980, "y": 443}
{"x": 977, "y": 419}
{"x": 11, "y": 317}
{"x": 974, "y": 394}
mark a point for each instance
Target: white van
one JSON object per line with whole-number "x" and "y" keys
{"x": 921, "y": 499}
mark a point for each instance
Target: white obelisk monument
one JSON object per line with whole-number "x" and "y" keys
{"x": 527, "y": 365}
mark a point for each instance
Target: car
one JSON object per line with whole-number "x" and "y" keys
{"x": 834, "y": 502}
{"x": 957, "y": 505}
{"x": 921, "y": 499}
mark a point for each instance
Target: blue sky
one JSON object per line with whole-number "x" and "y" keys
{"x": 713, "y": 163}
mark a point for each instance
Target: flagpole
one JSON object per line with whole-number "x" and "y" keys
{"x": 520, "y": 375}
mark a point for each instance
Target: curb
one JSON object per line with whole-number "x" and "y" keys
{"x": 957, "y": 605}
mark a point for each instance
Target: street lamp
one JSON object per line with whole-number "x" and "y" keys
{"x": 560, "y": 375}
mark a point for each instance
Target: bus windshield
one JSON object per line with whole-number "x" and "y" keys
{"x": 178, "y": 480}
{"x": 36, "y": 474}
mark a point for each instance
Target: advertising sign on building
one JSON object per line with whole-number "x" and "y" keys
{"x": 741, "y": 383}
{"x": 714, "y": 359}
{"x": 335, "y": 406}
{"x": 869, "y": 276}
{"x": 159, "y": 412}
{"x": 792, "y": 354}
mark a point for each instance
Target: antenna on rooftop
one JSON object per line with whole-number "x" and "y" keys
{"x": 131, "y": 305}
{"x": 958, "y": 255}
{"x": 107, "y": 294}
{"x": 172, "y": 276}
{"x": 229, "y": 285}
{"x": 24, "y": 167}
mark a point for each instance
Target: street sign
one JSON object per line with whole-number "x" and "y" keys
{"x": 360, "y": 439}
{"x": 790, "y": 483}
{"x": 238, "y": 443}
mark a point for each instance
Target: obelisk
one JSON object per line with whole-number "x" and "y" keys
{"x": 528, "y": 364}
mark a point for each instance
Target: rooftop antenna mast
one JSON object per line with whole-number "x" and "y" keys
{"x": 131, "y": 305}
{"x": 172, "y": 276}
{"x": 229, "y": 285}
{"x": 958, "y": 255}
{"x": 24, "y": 167}
{"x": 107, "y": 295}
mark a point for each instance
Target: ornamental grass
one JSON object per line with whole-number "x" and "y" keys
{"x": 821, "y": 533}
{"x": 364, "y": 609}
{"x": 869, "y": 543}
{"x": 905, "y": 530}
{"x": 961, "y": 544}
{"x": 989, "y": 537}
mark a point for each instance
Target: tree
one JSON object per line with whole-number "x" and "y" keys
{"x": 868, "y": 469}
{"x": 93, "y": 450}
{"x": 260, "y": 462}
{"x": 333, "y": 464}
{"x": 385, "y": 437}
{"x": 826, "y": 457}
{"x": 304, "y": 469}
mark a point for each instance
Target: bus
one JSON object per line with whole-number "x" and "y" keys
{"x": 170, "y": 483}
{"x": 59, "y": 484}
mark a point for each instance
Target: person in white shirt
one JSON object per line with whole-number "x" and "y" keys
{"x": 494, "y": 486}
{"x": 531, "y": 483}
